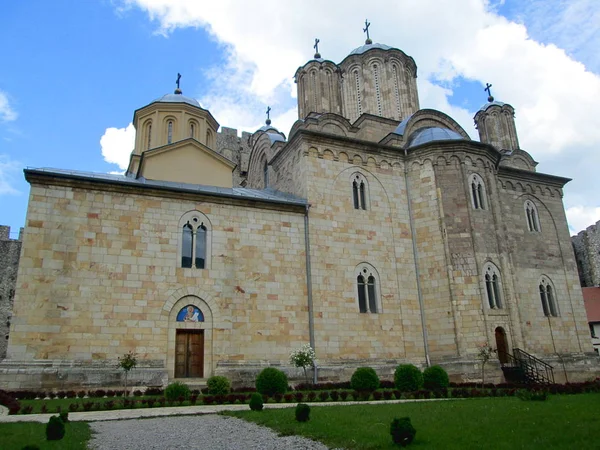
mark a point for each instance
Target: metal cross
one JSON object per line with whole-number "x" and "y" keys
{"x": 268, "y": 111}
{"x": 366, "y": 28}
{"x": 487, "y": 89}
{"x": 178, "y": 78}
{"x": 316, "y": 46}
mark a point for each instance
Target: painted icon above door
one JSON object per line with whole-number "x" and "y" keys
{"x": 190, "y": 313}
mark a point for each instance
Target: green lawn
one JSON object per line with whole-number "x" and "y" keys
{"x": 561, "y": 422}
{"x": 14, "y": 436}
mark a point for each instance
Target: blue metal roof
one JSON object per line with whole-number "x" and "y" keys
{"x": 402, "y": 126}
{"x": 429, "y": 134}
{"x": 267, "y": 195}
{"x": 177, "y": 98}
{"x": 360, "y": 50}
{"x": 488, "y": 104}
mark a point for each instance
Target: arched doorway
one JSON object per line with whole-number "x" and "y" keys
{"x": 501, "y": 345}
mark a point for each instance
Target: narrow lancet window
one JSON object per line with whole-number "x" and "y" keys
{"x": 371, "y": 294}
{"x": 363, "y": 201}
{"x": 149, "y": 135}
{"x": 362, "y": 298}
{"x": 192, "y": 130}
{"x": 355, "y": 195}
{"x": 533, "y": 220}
{"x": 187, "y": 246}
{"x": 547, "y": 297}
{"x": 493, "y": 289}
{"x": 170, "y": 132}
{"x": 200, "y": 247}
{"x": 477, "y": 191}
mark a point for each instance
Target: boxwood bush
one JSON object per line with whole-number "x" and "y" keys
{"x": 176, "y": 390}
{"x": 256, "y": 402}
{"x": 364, "y": 379}
{"x": 218, "y": 385}
{"x": 271, "y": 381}
{"x": 435, "y": 378}
{"x": 402, "y": 431}
{"x": 408, "y": 378}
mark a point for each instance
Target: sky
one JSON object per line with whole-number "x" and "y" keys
{"x": 72, "y": 73}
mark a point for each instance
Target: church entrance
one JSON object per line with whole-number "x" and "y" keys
{"x": 502, "y": 345}
{"x": 189, "y": 354}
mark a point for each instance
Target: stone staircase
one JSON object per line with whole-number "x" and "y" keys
{"x": 524, "y": 368}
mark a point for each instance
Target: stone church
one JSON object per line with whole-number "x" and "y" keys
{"x": 377, "y": 231}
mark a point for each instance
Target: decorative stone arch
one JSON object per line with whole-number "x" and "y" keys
{"x": 196, "y": 219}
{"x": 261, "y": 152}
{"x": 193, "y": 129}
{"x": 433, "y": 118}
{"x": 477, "y": 190}
{"x": 548, "y": 297}
{"x": 492, "y": 288}
{"x": 371, "y": 302}
{"x": 170, "y": 129}
{"x": 206, "y": 304}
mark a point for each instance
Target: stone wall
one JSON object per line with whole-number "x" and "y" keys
{"x": 586, "y": 245}
{"x": 10, "y": 250}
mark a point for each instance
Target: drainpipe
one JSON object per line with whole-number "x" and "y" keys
{"x": 415, "y": 256}
{"x": 311, "y": 322}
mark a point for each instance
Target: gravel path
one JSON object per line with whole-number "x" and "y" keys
{"x": 205, "y": 432}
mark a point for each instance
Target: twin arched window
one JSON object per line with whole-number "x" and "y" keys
{"x": 493, "y": 287}
{"x": 533, "y": 220}
{"x": 477, "y": 188}
{"x": 367, "y": 289}
{"x": 547, "y": 297}
{"x": 359, "y": 191}
{"x": 195, "y": 240}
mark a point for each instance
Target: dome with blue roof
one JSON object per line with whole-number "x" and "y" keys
{"x": 430, "y": 134}
{"x": 177, "y": 98}
{"x": 364, "y": 48}
{"x": 493, "y": 103}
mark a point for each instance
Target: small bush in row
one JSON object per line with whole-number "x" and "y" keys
{"x": 271, "y": 381}
{"x": 364, "y": 379}
{"x": 218, "y": 385}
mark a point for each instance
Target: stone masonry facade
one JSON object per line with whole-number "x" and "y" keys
{"x": 381, "y": 236}
{"x": 10, "y": 250}
{"x": 586, "y": 245}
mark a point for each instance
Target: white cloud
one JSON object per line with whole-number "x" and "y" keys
{"x": 8, "y": 172}
{"x": 553, "y": 94}
{"x": 7, "y": 114}
{"x": 580, "y": 217}
{"x": 117, "y": 144}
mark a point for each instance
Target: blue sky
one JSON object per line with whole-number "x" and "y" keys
{"x": 72, "y": 73}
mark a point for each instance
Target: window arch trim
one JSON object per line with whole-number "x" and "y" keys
{"x": 477, "y": 192}
{"x": 548, "y": 297}
{"x": 199, "y": 244}
{"x": 367, "y": 287}
{"x": 492, "y": 287}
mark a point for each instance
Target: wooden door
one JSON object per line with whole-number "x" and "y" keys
{"x": 189, "y": 354}
{"x": 501, "y": 345}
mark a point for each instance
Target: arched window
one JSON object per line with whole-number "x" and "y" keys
{"x": 358, "y": 100}
{"x": 359, "y": 191}
{"x": 367, "y": 289}
{"x": 549, "y": 305}
{"x": 192, "y": 129}
{"x": 266, "y": 173}
{"x": 377, "y": 89}
{"x": 493, "y": 287}
{"x": 187, "y": 246}
{"x": 533, "y": 220}
{"x": 477, "y": 189}
{"x": 148, "y": 135}
{"x": 195, "y": 240}
{"x": 170, "y": 132}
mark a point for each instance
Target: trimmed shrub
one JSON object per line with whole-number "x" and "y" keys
{"x": 364, "y": 379}
{"x": 176, "y": 390}
{"x": 302, "y": 412}
{"x": 64, "y": 416}
{"x": 289, "y": 397}
{"x": 402, "y": 431}
{"x": 298, "y": 396}
{"x": 137, "y": 393}
{"x": 311, "y": 396}
{"x": 158, "y": 391}
{"x": 335, "y": 395}
{"x": 271, "y": 381}
{"x": 10, "y": 402}
{"x": 344, "y": 395}
{"x": 55, "y": 429}
{"x": 73, "y": 407}
{"x": 408, "y": 378}
{"x": 256, "y": 402}
{"x": 81, "y": 394}
{"x": 218, "y": 385}
{"x": 27, "y": 409}
{"x": 435, "y": 377}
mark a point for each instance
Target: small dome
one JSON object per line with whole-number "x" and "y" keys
{"x": 177, "y": 98}
{"x": 488, "y": 104}
{"x": 430, "y": 134}
{"x": 364, "y": 48}
{"x": 267, "y": 128}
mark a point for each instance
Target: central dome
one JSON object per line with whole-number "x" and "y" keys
{"x": 430, "y": 134}
{"x": 364, "y": 48}
{"x": 177, "y": 98}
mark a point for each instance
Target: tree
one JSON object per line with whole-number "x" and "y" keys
{"x": 303, "y": 357}
{"x": 127, "y": 362}
{"x": 484, "y": 354}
